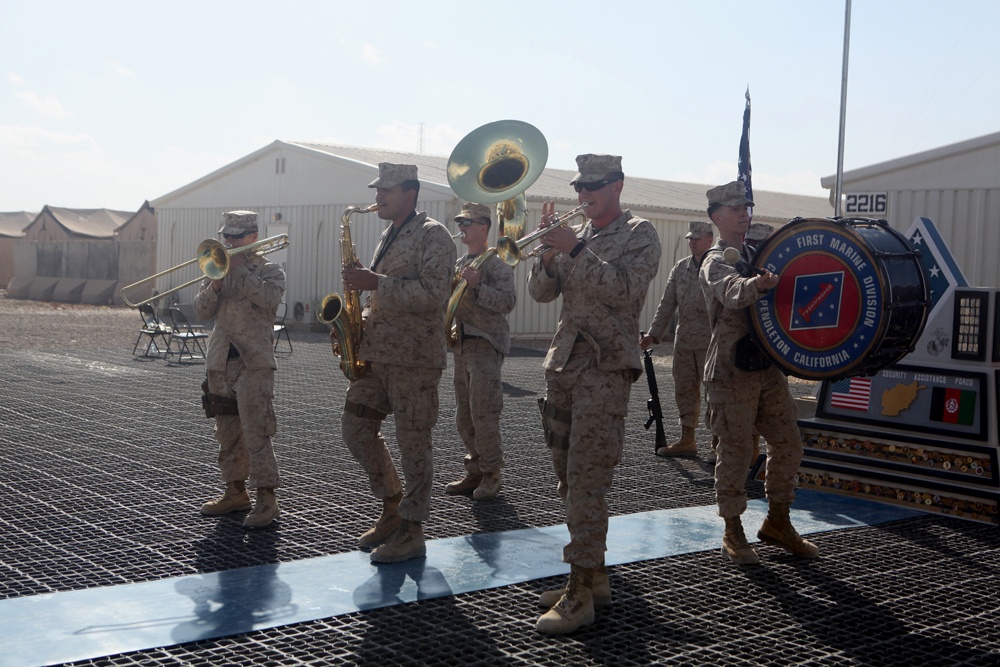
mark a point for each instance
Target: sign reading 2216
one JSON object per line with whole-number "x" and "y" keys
{"x": 865, "y": 203}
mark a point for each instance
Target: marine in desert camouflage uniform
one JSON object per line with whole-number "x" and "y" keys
{"x": 240, "y": 365}
{"x": 742, "y": 399}
{"x": 682, "y": 294}
{"x": 756, "y": 235}
{"x": 602, "y": 272}
{"x": 483, "y": 342}
{"x": 404, "y": 340}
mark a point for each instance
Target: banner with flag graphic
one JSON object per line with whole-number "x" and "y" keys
{"x": 941, "y": 271}
{"x": 743, "y": 164}
{"x": 953, "y": 406}
{"x": 851, "y": 393}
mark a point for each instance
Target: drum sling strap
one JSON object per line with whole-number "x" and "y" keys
{"x": 748, "y": 355}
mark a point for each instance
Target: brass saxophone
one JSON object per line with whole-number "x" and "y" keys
{"x": 344, "y": 314}
{"x": 458, "y": 291}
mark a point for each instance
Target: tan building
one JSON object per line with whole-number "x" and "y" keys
{"x": 303, "y": 188}
{"x": 957, "y": 186}
{"x": 83, "y": 255}
{"x": 11, "y": 229}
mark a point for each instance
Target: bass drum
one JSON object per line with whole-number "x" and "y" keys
{"x": 852, "y": 297}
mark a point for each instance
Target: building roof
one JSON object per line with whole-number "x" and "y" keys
{"x": 13, "y": 224}
{"x": 98, "y": 223}
{"x": 916, "y": 159}
{"x": 640, "y": 193}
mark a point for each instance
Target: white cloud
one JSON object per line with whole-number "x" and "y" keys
{"x": 371, "y": 54}
{"x": 48, "y": 105}
{"x": 14, "y": 79}
{"x": 119, "y": 70}
{"x": 19, "y": 136}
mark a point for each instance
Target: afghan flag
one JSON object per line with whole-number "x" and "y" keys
{"x": 953, "y": 406}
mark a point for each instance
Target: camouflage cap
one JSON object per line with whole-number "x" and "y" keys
{"x": 238, "y": 222}
{"x": 473, "y": 211}
{"x": 390, "y": 175}
{"x": 759, "y": 231}
{"x": 593, "y": 168}
{"x": 698, "y": 229}
{"x": 730, "y": 194}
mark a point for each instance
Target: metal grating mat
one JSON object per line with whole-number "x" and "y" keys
{"x": 106, "y": 459}
{"x": 855, "y": 606}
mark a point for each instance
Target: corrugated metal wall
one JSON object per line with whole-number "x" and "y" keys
{"x": 313, "y": 258}
{"x": 969, "y": 222}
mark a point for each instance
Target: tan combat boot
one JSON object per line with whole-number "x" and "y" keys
{"x": 465, "y": 485}
{"x": 686, "y": 446}
{"x": 778, "y": 531}
{"x": 489, "y": 487}
{"x": 713, "y": 455}
{"x": 406, "y": 543}
{"x": 235, "y": 499}
{"x": 735, "y": 545}
{"x": 387, "y": 523}
{"x": 574, "y": 609}
{"x": 600, "y": 590}
{"x": 265, "y": 510}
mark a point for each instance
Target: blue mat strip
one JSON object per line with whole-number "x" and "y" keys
{"x": 89, "y": 623}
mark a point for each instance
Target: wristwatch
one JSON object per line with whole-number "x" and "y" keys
{"x": 577, "y": 249}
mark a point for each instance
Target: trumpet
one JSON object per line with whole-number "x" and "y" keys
{"x": 213, "y": 261}
{"x": 510, "y": 251}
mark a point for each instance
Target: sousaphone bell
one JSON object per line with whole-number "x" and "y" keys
{"x": 495, "y": 164}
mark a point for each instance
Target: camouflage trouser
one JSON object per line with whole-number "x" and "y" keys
{"x": 478, "y": 403}
{"x": 761, "y": 399}
{"x": 411, "y": 395}
{"x": 584, "y": 418}
{"x": 245, "y": 448}
{"x": 687, "y": 369}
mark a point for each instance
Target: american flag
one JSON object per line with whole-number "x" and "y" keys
{"x": 851, "y": 393}
{"x": 743, "y": 164}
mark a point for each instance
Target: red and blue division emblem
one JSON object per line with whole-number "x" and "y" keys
{"x": 827, "y": 313}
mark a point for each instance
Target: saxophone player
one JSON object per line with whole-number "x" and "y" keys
{"x": 404, "y": 342}
{"x": 483, "y": 342}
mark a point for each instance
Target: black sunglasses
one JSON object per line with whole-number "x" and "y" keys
{"x": 596, "y": 185}
{"x": 233, "y": 237}
{"x": 465, "y": 222}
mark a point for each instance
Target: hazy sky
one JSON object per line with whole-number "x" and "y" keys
{"x": 106, "y": 104}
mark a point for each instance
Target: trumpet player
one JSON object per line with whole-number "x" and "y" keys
{"x": 240, "y": 367}
{"x": 404, "y": 341}
{"x": 603, "y": 273}
{"x": 483, "y": 342}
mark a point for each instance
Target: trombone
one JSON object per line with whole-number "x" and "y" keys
{"x": 212, "y": 258}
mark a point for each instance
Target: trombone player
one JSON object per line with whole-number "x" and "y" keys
{"x": 404, "y": 341}
{"x": 483, "y": 342}
{"x": 603, "y": 273}
{"x": 240, "y": 366}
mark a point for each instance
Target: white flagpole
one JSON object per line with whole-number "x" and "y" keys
{"x": 843, "y": 112}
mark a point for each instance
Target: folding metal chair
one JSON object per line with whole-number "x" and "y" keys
{"x": 157, "y": 333}
{"x": 280, "y": 328}
{"x": 188, "y": 338}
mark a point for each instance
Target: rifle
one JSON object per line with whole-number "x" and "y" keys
{"x": 653, "y": 403}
